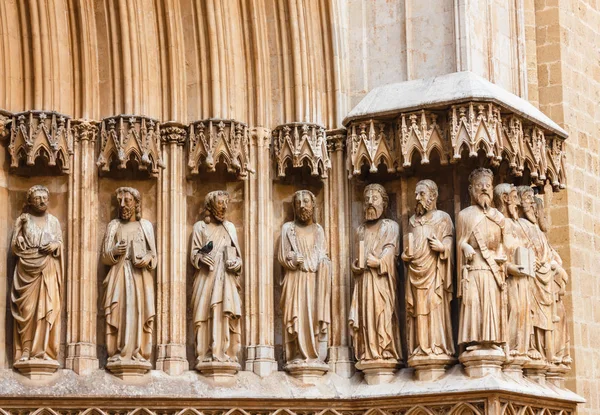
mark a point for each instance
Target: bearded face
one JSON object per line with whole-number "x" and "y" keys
{"x": 373, "y": 205}
{"x": 38, "y": 202}
{"x": 425, "y": 200}
{"x": 304, "y": 207}
{"x": 481, "y": 191}
{"x": 219, "y": 207}
{"x": 127, "y": 205}
{"x": 528, "y": 206}
{"x": 513, "y": 204}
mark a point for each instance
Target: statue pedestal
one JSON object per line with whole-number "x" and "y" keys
{"x": 379, "y": 371}
{"x": 307, "y": 372}
{"x": 555, "y": 375}
{"x": 219, "y": 372}
{"x": 428, "y": 368}
{"x": 129, "y": 369}
{"x": 536, "y": 371}
{"x": 482, "y": 362}
{"x": 514, "y": 366}
{"x": 37, "y": 369}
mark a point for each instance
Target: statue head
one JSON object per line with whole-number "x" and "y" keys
{"x": 37, "y": 200}
{"x": 540, "y": 213}
{"x": 376, "y": 201}
{"x": 480, "y": 187}
{"x": 526, "y": 195}
{"x": 304, "y": 206}
{"x": 216, "y": 204}
{"x": 426, "y": 194}
{"x": 129, "y": 199}
{"x": 506, "y": 200}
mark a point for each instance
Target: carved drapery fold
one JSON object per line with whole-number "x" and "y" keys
{"x": 212, "y": 141}
{"x": 466, "y": 128}
{"x": 41, "y": 134}
{"x": 130, "y": 137}
{"x": 297, "y": 143}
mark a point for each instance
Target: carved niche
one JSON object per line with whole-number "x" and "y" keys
{"x": 420, "y": 132}
{"x": 130, "y": 137}
{"x": 297, "y": 143}
{"x": 40, "y": 134}
{"x": 212, "y": 141}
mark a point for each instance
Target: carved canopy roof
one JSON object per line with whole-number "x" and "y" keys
{"x": 448, "y": 115}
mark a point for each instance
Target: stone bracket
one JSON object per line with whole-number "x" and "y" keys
{"x": 297, "y": 143}
{"x": 126, "y": 137}
{"x": 41, "y": 134}
{"x": 214, "y": 140}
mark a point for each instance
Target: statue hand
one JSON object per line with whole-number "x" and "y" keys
{"x": 435, "y": 244}
{"x": 208, "y": 260}
{"x": 233, "y": 265}
{"x": 468, "y": 252}
{"x": 120, "y": 249}
{"x": 298, "y": 259}
{"x": 405, "y": 257}
{"x": 21, "y": 243}
{"x": 49, "y": 248}
{"x": 144, "y": 262}
{"x": 515, "y": 271}
{"x": 355, "y": 268}
{"x": 373, "y": 261}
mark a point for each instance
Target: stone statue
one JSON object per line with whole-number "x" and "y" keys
{"x": 373, "y": 317}
{"x": 216, "y": 302}
{"x": 541, "y": 286}
{"x": 561, "y": 351}
{"x": 482, "y": 287}
{"x": 428, "y": 254}
{"x": 306, "y": 294}
{"x": 519, "y": 268}
{"x": 36, "y": 290}
{"x": 129, "y": 248}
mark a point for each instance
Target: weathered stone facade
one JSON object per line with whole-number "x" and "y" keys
{"x": 178, "y": 98}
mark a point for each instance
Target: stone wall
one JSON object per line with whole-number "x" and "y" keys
{"x": 568, "y": 61}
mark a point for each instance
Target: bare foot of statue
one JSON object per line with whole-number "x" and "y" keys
{"x": 24, "y": 356}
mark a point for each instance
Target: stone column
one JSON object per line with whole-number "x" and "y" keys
{"x": 172, "y": 244}
{"x": 340, "y": 352}
{"x": 258, "y": 258}
{"x": 82, "y": 295}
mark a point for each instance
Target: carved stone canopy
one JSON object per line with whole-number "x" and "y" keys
{"x": 38, "y": 134}
{"x": 451, "y": 115}
{"x": 299, "y": 142}
{"x": 214, "y": 140}
{"x": 125, "y": 137}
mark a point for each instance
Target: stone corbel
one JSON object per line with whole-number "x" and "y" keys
{"x": 475, "y": 126}
{"x": 45, "y": 134}
{"x": 212, "y": 141}
{"x": 420, "y": 132}
{"x": 371, "y": 143}
{"x": 297, "y": 143}
{"x": 126, "y": 137}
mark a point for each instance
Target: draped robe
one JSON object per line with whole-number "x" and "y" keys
{"x": 373, "y": 315}
{"x": 216, "y": 301}
{"x": 518, "y": 293}
{"x": 542, "y": 290}
{"x": 306, "y": 294}
{"x": 482, "y": 316}
{"x": 429, "y": 286}
{"x": 36, "y": 290}
{"x": 128, "y": 290}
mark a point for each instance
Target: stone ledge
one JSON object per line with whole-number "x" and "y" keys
{"x": 278, "y": 386}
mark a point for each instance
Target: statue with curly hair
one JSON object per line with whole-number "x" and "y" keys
{"x": 216, "y": 301}
{"x": 38, "y": 277}
{"x": 129, "y": 249}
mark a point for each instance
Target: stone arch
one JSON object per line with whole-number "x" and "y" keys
{"x": 236, "y": 411}
{"x": 44, "y": 411}
{"x": 93, "y": 411}
{"x": 419, "y": 410}
{"x": 141, "y": 411}
{"x": 465, "y": 408}
{"x": 189, "y": 411}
